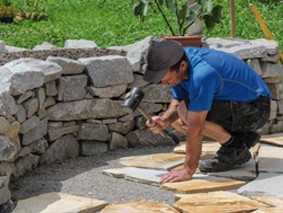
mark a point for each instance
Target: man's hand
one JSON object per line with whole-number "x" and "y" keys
{"x": 176, "y": 175}
{"x": 157, "y": 124}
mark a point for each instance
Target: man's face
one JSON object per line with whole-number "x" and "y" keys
{"x": 174, "y": 77}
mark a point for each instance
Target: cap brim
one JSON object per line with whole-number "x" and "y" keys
{"x": 153, "y": 76}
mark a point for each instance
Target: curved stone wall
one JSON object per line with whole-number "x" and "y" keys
{"x": 61, "y": 103}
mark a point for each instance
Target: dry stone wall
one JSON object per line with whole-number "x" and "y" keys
{"x": 58, "y": 103}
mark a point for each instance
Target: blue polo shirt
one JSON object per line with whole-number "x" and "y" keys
{"x": 216, "y": 75}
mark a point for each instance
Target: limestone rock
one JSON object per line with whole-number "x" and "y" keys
{"x": 2, "y": 47}
{"x": 36, "y": 133}
{"x": 138, "y": 81}
{"x": 138, "y": 206}
{"x": 29, "y": 124}
{"x": 80, "y": 44}
{"x": 25, "y": 164}
{"x": 162, "y": 161}
{"x": 28, "y": 94}
{"x": 276, "y": 91}
{"x": 7, "y": 149}
{"x": 4, "y": 190}
{"x": 54, "y": 134}
{"x": 50, "y": 88}
{"x": 31, "y": 106}
{"x": 20, "y": 114}
{"x": 220, "y": 202}
{"x": 72, "y": 88}
{"x": 7, "y": 104}
{"x": 271, "y": 70}
{"x": 118, "y": 141}
{"x": 157, "y": 94}
{"x": 122, "y": 127}
{"x": 64, "y": 147}
{"x": 90, "y": 148}
{"x": 15, "y": 49}
{"x": 69, "y": 66}
{"x": 58, "y": 202}
{"x": 86, "y": 109}
{"x": 39, "y": 147}
{"x": 4, "y": 124}
{"x": 45, "y": 46}
{"x": 108, "y": 92}
{"x": 203, "y": 183}
{"x": 31, "y": 73}
{"x": 97, "y": 132}
{"x": 114, "y": 70}
{"x": 147, "y": 138}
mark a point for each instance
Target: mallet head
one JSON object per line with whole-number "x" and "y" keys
{"x": 134, "y": 99}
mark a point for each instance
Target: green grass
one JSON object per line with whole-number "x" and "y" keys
{"x": 113, "y": 23}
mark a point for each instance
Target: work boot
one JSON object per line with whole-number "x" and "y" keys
{"x": 226, "y": 158}
{"x": 249, "y": 138}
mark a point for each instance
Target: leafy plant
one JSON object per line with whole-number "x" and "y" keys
{"x": 6, "y": 14}
{"x": 185, "y": 15}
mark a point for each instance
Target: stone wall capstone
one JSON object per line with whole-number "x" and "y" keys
{"x": 58, "y": 103}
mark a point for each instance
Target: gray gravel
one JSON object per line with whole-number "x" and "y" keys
{"x": 83, "y": 176}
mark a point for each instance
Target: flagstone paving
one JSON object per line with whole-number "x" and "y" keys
{"x": 273, "y": 139}
{"x": 199, "y": 183}
{"x": 216, "y": 202}
{"x": 59, "y": 203}
{"x": 267, "y": 183}
{"x": 162, "y": 161}
{"x": 139, "y": 206}
{"x": 208, "y": 149}
{"x": 149, "y": 169}
{"x": 203, "y": 183}
{"x": 271, "y": 159}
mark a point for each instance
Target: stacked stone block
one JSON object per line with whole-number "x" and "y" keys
{"x": 60, "y": 107}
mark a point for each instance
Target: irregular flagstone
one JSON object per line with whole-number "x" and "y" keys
{"x": 146, "y": 176}
{"x": 208, "y": 149}
{"x": 58, "y": 202}
{"x": 220, "y": 202}
{"x": 199, "y": 183}
{"x": 267, "y": 183}
{"x": 163, "y": 161}
{"x": 138, "y": 206}
{"x": 114, "y": 70}
{"x": 245, "y": 172}
{"x": 86, "y": 109}
{"x": 271, "y": 159}
{"x": 273, "y": 139}
{"x": 269, "y": 199}
{"x": 69, "y": 66}
{"x": 203, "y": 183}
{"x": 43, "y": 71}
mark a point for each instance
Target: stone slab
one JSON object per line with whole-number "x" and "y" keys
{"x": 208, "y": 149}
{"x": 219, "y": 202}
{"x": 271, "y": 159}
{"x": 273, "y": 139}
{"x": 199, "y": 183}
{"x": 146, "y": 176}
{"x": 269, "y": 199}
{"x": 58, "y": 202}
{"x": 138, "y": 206}
{"x": 162, "y": 161}
{"x": 203, "y": 183}
{"x": 266, "y": 183}
{"x": 245, "y": 172}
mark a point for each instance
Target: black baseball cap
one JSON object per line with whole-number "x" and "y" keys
{"x": 160, "y": 58}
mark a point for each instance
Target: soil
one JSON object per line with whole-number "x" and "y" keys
{"x": 74, "y": 54}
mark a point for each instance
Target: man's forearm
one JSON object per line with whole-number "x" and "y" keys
{"x": 193, "y": 151}
{"x": 171, "y": 114}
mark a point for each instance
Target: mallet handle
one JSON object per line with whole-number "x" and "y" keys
{"x": 148, "y": 117}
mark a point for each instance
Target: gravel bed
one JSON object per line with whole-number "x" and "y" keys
{"x": 83, "y": 176}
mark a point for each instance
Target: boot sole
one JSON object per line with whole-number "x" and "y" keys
{"x": 238, "y": 163}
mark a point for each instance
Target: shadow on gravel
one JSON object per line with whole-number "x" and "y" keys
{"x": 51, "y": 178}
